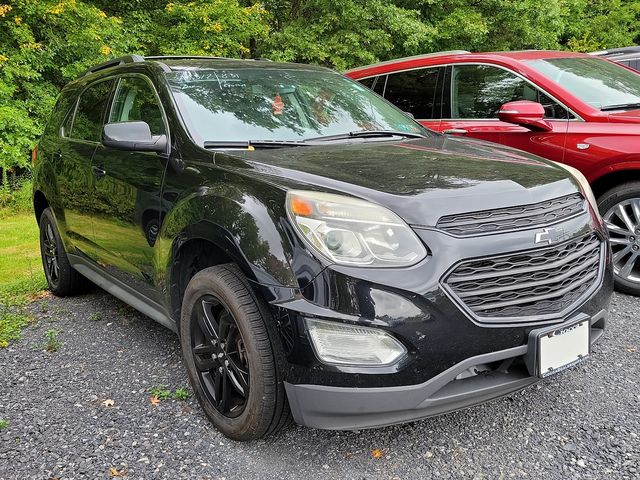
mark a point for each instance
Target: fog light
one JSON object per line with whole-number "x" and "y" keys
{"x": 343, "y": 344}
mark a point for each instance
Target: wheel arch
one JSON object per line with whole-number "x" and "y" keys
{"x": 609, "y": 180}
{"x": 40, "y": 204}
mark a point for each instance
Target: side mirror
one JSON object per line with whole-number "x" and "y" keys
{"x": 133, "y": 136}
{"x": 525, "y": 113}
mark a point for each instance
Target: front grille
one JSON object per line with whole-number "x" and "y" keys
{"x": 512, "y": 218}
{"x": 535, "y": 283}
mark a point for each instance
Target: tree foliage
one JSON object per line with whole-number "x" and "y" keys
{"x": 46, "y": 43}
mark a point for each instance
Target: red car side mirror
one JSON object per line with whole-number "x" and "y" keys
{"x": 525, "y": 113}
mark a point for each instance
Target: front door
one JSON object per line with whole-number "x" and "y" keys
{"x": 128, "y": 191}
{"x": 473, "y": 97}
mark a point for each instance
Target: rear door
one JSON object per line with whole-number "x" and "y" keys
{"x": 417, "y": 92}
{"x": 473, "y": 96}
{"x": 128, "y": 190}
{"x": 79, "y": 137}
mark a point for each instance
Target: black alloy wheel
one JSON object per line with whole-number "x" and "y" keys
{"x": 233, "y": 354}
{"x": 220, "y": 356}
{"x": 61, "y": 277}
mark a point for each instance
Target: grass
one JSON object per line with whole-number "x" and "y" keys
{"x": 163, "y": 393}
{"x": 95, "y": 317}
{"x": 21, "y": 272}
{"x": 3, "y": 423}
{"x": 52, "y": 343}
{"x": 21, "y": 275}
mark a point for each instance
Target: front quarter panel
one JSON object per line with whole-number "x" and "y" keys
{"x": 242, "y": 216}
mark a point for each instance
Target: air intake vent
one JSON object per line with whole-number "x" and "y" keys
{"x": 530, "y": 285}
{"x": 513, "y": 218}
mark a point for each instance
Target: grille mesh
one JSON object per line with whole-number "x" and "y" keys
{"x": 512, "y": 218}
{"x": 532, "y": 283}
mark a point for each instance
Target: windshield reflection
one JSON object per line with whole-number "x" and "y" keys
{"x": 279, "y": 104}
{"x": 595, "y": 81}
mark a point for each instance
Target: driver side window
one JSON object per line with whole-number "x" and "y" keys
{"x": 135, "y": 100}
{"x": 478, "y": 92}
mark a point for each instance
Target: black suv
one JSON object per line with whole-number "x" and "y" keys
{"x": 322, "y": 256}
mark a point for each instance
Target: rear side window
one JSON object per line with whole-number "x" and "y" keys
{"x": 375, "y": 83}
{"x": 90, "y": 113}
{"x": 416, "y": 92}
{"x": 135, "y": 100}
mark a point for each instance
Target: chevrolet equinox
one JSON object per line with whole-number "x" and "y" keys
{"x": 323, "y": 257}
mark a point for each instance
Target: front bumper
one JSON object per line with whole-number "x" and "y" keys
{"x": 348, "y": 408}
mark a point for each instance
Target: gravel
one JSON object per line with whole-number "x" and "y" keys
{"x": 583, "y": 423}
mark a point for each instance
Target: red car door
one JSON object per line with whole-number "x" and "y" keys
{"x": 472, "y": 97}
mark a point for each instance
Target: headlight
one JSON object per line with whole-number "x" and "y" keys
{"x": 585, "y": 187}
{"x": 343, "y": 344}
{"x": 351, "y": 231}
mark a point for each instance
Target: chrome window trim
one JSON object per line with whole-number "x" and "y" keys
{"x": 577, "y": 118}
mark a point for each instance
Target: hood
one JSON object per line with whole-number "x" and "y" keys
{"x": 420, "y": 180}
{"x": 626, "y": 116}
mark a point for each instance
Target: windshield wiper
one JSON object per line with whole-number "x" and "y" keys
{"x": 369, "y": 134}
{"x": 249, "y": 144}
{"x": 621, "y": 106}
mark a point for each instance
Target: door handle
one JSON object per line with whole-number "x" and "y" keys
{"x": 99, "y": 172}
{"x": 454, "y": 131}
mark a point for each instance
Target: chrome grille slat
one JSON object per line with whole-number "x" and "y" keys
{"x": 543, "y": 281}
{"x": 513, "y": 218}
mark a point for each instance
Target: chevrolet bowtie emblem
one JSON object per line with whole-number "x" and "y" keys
{"x": 549, "y": 236}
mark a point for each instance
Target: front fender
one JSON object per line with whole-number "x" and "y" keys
{"x": 247, "y": 223}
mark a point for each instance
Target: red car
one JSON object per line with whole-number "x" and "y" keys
{"x": 576, "y": 109}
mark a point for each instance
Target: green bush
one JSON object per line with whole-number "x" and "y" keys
{"x": 46, "y": 43}
{"x": 15, "y": 197}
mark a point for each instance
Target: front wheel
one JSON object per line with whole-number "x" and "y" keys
{"x": 620, "y": 207}
{"x": 229, "y": 355}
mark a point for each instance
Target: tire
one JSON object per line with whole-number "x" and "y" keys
{"x": 227, "y": 342}
{"x": 616, "y": 204}
{"x": 61, "y": 277}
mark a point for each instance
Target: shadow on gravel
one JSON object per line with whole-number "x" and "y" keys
{"x": 85, "y": 411}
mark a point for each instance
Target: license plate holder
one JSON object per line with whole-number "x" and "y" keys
{"x": 556, "y": 348}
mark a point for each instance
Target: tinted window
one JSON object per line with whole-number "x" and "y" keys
{"x": 279, "y": 104}
{"x": 135, "y": 100}
{"x": 368, "y": 82}
{"x": 478, "y": 91}
{"x": 87, "y": 124}
{"x": 381, "y": 82}
{"x": 415, "y": 91}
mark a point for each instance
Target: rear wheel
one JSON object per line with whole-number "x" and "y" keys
{"x": 621, "y": 212}
{"x": 229, "y": 355}
{"x": 61, "y": 277}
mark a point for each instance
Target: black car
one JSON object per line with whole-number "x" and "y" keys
{"x": 321, "y": 255}
{"x": 629, "y": 56}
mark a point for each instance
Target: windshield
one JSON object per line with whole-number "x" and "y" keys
{"x": 280, "y": 104}
{"x": 599, "y": 83}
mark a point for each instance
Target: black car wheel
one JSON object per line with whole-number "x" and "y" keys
{"x": 62, "y": 279}
{"x": 621, "y": 212}
{"x": 230, "y": 355}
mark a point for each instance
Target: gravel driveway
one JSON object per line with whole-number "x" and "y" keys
{"x": 581, "y": 424}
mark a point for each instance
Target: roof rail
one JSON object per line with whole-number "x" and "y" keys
{"x": 195, "y": 57}
{"x": 115, "y": 62}
{"x": 617, "y": 51}
{"x": 414, "y": 57}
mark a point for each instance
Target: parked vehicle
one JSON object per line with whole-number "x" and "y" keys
{"x": 321, "y": 254}
{"x": 572, "y": 108}
{"x": 628, "y": 56}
